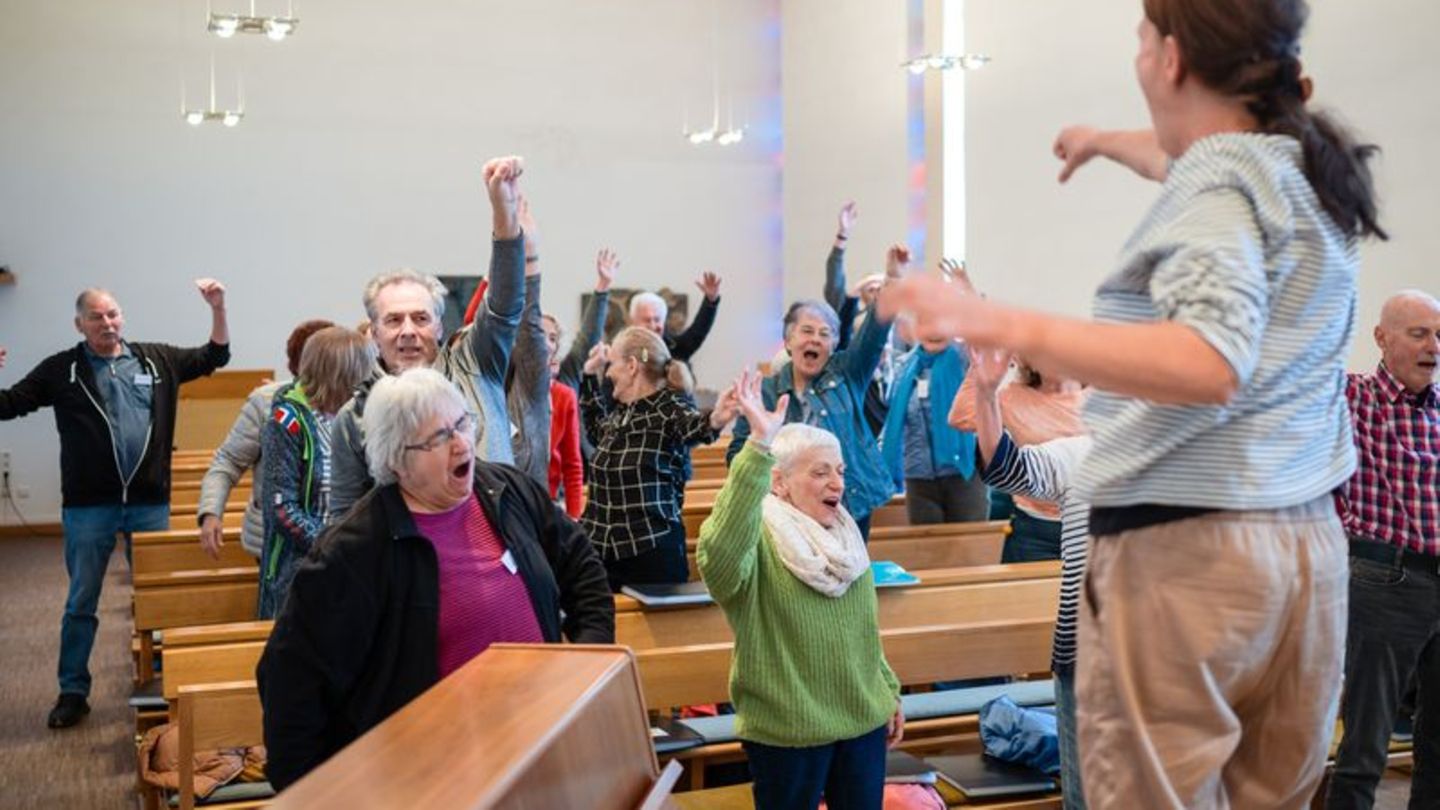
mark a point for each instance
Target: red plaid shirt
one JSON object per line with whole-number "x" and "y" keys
{"x": 1395, "y": 494}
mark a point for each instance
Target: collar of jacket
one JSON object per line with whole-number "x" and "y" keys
{"x": 824, "y": 381}
{"x": 401, "y": 524}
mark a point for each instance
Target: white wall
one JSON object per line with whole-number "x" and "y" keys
{"x": 845, "y": 137}
{"x": 361, "y": 151}
{"x": 1045, "y": 245}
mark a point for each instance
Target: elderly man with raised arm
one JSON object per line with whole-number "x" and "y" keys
{"x": 405, "y": 310}
{"x": 114, "y": 405}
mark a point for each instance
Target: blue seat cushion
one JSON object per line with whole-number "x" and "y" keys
{"x": 150, "y": 697}
{"x": 951, "y": 702}
{"x": 923, "y": 706}
{"x": 714, "y": 730}
{"x": 233, "y": 792}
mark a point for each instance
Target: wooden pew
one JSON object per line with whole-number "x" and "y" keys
{"x": 520, "y": 726}
{"x": 186, "y": 499}
{"x": 897, "y": 607}
{"x": 698, "y": 505}
{"x": 941, "y": 545}
{"x": 188, "y": 598}
{"x": 208, "y": 406}
{"x": 156, "y": 557}
{"x": 179, "y": 550}
{"x": 216, "y": 715}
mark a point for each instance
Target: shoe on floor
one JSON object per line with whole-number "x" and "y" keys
{"x": 68, "y": 710}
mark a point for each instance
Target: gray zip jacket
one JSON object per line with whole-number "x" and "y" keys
{"x": 240, "y": 452}
{"x": 528, "y": 391}
{"x": 476, "y": 364}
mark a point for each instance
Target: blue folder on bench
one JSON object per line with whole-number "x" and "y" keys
{"x": 889, "y": 574}
{"x": 685, "y": 593}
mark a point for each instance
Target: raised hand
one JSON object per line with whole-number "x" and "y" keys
{"x": 212, "y": 291}
{"x": 595, "y": 362}
{"x": 988, "y": 367}
{"x": 709, "y": 284}
{"x": 2, "y": 356}
{"x": 727, "y": 407}
{"x": 848, "y": 214}
{"x": 1075, "y": 146}
{"x": 763, "y": 424}
{"x": 938, "y": 306}
{"x": 502, "y": 177}
{"x": 955, "y": 271}
{"x": 606, "y": 265}
{"x": 897, "y": 259}
{"x": 528, "y": 227}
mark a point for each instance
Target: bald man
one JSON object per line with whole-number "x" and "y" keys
{"x": 114, "y": 405}
{"x": 1391, "y": 511}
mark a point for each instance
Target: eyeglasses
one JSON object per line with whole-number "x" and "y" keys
{"x": 464, "y": 426}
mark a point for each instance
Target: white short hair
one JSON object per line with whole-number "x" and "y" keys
{"x": 649, "y": 298}
{"x": 405, "y": 275}
{"x": 794, "y": 439}
{"x": 397, "y": 406}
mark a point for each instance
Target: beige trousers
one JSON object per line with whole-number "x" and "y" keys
{"x": 1210, "y": 657}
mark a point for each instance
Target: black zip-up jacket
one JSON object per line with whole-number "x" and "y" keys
{"x": 357, "y": 637}
{"x": 90, "y": 472}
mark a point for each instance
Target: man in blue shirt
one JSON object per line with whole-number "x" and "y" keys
{"x": 114, "y": 404}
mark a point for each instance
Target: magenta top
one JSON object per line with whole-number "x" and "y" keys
{"x": 483, "y": 598}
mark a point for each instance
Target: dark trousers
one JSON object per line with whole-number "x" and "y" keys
{"x": 849, "y": 773}
{"x": 1031, "y": 539}
{"x": 664, "y": 564}
{"x": 1393, "y": 637}
{"x": 949, "y": 499}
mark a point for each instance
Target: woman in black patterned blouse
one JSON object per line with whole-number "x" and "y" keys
{"x": 641, "y": 432}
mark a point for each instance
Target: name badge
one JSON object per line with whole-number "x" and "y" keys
{"x": 922, "y": 388}
{"x": 508, "y": 560}
{"x": 144, "y": 379}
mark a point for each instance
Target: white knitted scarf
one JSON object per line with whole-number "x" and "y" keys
{"x": 827, "y": 560}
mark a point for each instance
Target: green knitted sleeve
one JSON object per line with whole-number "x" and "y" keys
{"x": 730, "y": 537}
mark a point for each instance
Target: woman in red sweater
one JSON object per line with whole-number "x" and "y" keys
{"x": 566, "y": 465}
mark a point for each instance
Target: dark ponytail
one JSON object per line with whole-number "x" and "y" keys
{"x": 1251, "y": 49}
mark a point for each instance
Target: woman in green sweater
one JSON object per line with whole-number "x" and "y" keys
{"x": 817, "y": 705}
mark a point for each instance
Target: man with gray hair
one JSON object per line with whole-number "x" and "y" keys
{"x": 649, "y": 311}
{"x": 114, "y": 405}
{"x": 405, "y": 310}
{"x": 1391, "y": 511}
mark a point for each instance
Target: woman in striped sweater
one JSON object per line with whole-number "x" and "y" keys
{"x": 1214, "y": 619}
{"x": 816, "y": 703}
{"x": 1045, "y": 471}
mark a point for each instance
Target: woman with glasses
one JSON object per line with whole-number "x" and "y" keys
{"x": 295, "y": 455}
{"x": 447, "y": 555}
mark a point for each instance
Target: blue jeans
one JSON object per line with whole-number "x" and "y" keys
{"x": 850, "y": 774}
{"x": 1073, "y": 795}
{"x": 89, "y": 540}
{"x": 1031, "y": 539}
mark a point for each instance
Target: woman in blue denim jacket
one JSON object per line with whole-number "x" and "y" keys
{"x": 827, "y": 390}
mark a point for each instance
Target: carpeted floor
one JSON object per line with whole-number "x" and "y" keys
{"x": 93, "y": 764}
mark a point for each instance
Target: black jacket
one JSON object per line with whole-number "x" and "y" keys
{"x": 357, "y": 637}
{"x": 89, "y": 467}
